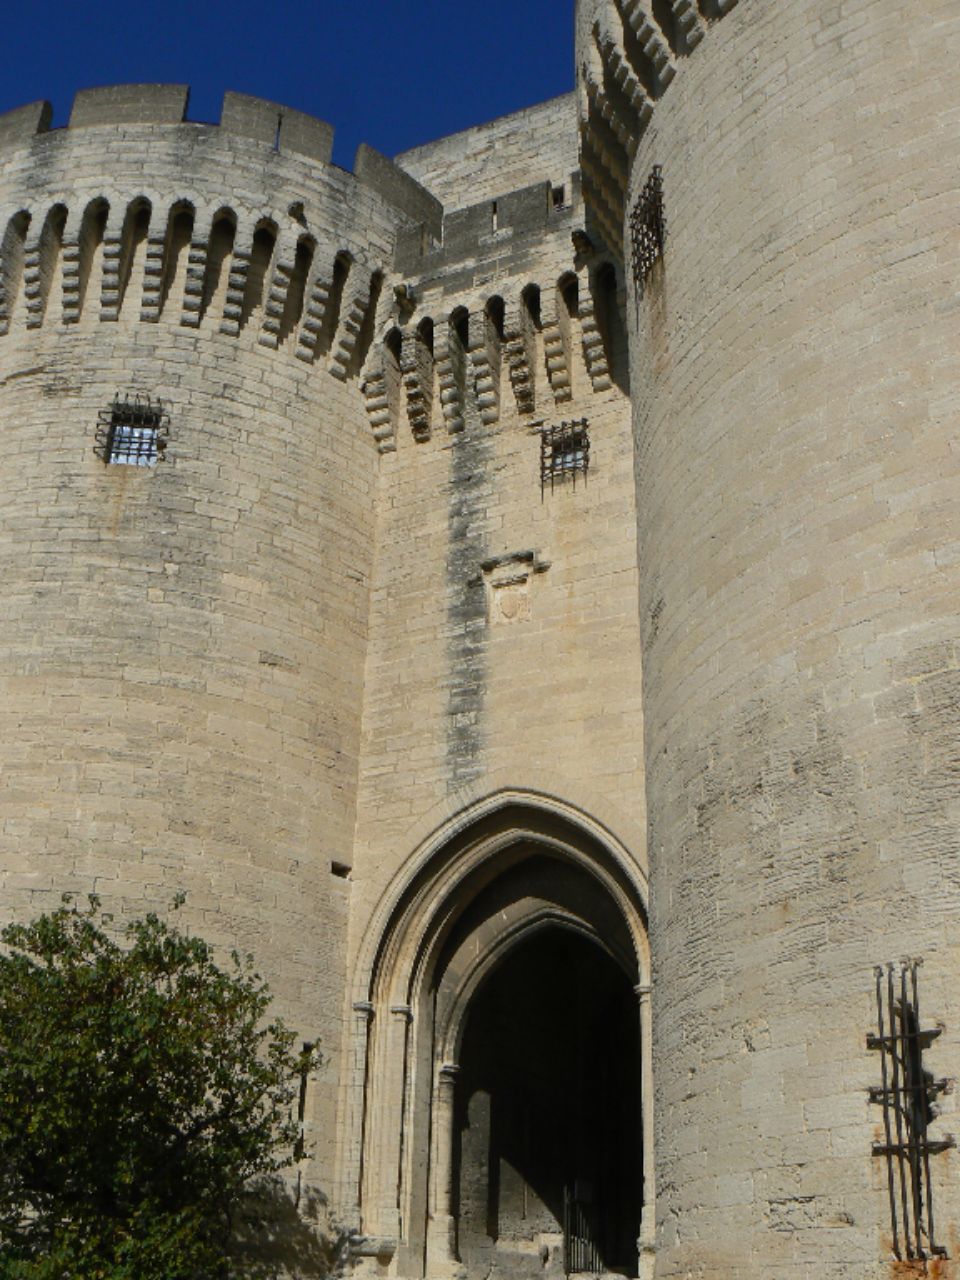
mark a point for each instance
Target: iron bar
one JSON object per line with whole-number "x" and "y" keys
{"x": 905, "y": 1093}
{"x": 648, "y": 227}
{"x": 898, "y": 1111}
{"x": 564, "y": 451}
{"x": 133, "y": 431}
{"x": 926, "y": 1146}
{"x": 581, "y": 1252}
{"x": 886, "y": 1113}
{"x": 914, "y": 1117}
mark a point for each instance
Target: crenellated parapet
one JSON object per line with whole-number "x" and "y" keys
{"x": 363, "y": 275}
{"x": 279, "y": 130}
{"x": 294, "y": 250}
{"x": 243, "y": 230}
{"x": 628, "y": 52}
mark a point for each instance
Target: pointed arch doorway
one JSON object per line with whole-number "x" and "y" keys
{"x": 497, "y": 1118}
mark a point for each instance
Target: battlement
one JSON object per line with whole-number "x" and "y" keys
{"x": 297, "y": 257}
{"x": 486, "y": 228}
{"x": 279, "y": 129}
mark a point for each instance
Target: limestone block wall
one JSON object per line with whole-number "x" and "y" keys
{"x": 795, "y": 367}
{"x": 183, "y": 645}
{"x": 536, "y": 145}
{"x": 504, "y": 643}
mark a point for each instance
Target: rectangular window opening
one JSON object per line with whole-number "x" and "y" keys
{"x": 132, "y": 432}
{"x": 564, "y": 451}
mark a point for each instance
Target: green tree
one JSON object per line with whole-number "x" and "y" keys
{"x": 141, "y": 1093}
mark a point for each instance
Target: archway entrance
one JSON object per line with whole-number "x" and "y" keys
{"x": 548, "y": 1150}
{"x": 496, "y": 1112}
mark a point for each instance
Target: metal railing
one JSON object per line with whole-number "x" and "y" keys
{"x": 581, "y": 1253}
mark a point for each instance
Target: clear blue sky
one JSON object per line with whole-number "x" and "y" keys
{"x": 392, "y": 73}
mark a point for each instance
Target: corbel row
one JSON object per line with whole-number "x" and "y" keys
{"x": 635, "y": 59}
{"x": 460, "y": 360}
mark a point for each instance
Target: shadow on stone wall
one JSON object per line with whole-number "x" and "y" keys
{"x": 275, "y": 1238}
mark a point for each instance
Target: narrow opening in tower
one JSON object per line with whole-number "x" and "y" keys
{"x": 12, "y": 252}
{"x": 176, "y": 254}
{"x": 496, "y": 313}
{"x": 133, "y": 249}
{"x": 570, "y": 295}
{"x": 611, "y": 323}
{"x": 90, "y": 254}
{"x": 331, "y": 316}
{"x": 368, "y": 328}
{"x": 532, "y": 303}
{"x": 50, "y": 265}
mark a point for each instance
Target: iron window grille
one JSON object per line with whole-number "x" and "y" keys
{"x": 564, "y": 451}
{"x": 906, "y": 1093}
{"x": 648, "y": 227}
{"x": 133, "y": 432}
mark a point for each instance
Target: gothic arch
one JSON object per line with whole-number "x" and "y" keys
{"x": 490, "y": 878}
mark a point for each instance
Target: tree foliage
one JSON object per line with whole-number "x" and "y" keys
{"x": 141, "y": 1091}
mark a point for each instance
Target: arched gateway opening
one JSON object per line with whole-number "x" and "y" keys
{"x": 496, "y": 1117}
{"x": 547, "y": 1139}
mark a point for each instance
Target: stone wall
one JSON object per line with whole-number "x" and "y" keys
{"x": 260, "y": 669}
{"x": 539, "y": 144}
{"x": 182, "y": 645}
{"x": 502, "y": 612}
{"x": 794, "y": 371}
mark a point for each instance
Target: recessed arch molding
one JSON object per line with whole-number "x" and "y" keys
{"x": 508, "y": 869}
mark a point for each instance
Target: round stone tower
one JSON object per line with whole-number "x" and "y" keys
{"x": 186, "y": 520}
{"x": 795, "y": 375}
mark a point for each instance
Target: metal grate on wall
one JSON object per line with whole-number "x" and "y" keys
{"x": 133, "y": 431}
{"x": 564, "y": 451}
{"x": 906, "y": 1093}
{"x": 648, "y": 227}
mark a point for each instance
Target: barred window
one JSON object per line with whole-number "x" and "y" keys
{"x": 133, "y": 432}
{"x": 564, "y": 451}
{"x": 648, "y": 228}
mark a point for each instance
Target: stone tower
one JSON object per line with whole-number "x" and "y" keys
{"x": 512, "y": 590}
{"x": 794, "y": 379}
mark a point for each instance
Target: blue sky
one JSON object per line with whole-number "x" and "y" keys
{"x": 392, "y": 73}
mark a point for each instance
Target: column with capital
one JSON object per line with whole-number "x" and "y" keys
{"x": 350, "y": 1207}
{"x": 646, "y": 1244}
{"x": 441, "y": 1233}
{"x": 392, "y": 1120}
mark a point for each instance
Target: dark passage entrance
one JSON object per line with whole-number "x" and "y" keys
{"x": 548, "y": 1118}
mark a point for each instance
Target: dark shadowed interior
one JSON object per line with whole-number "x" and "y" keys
{"x": 548, "y": 1118}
